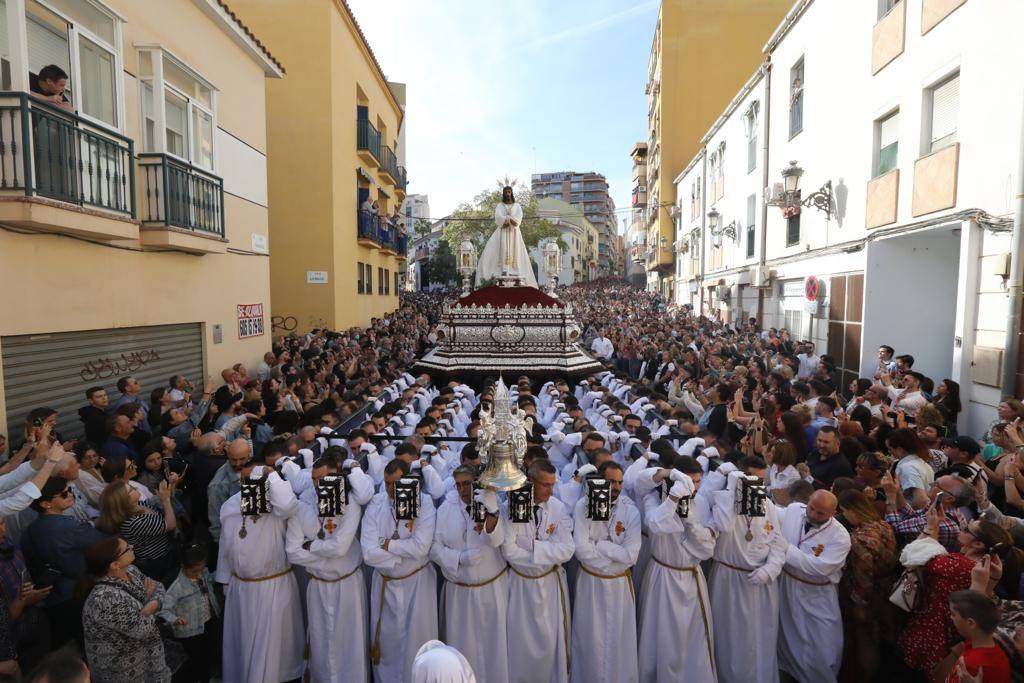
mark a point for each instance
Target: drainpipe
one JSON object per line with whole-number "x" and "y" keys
{"x": 767, "y": 68}
{"x": 703, "y": 219}
{"x": 1012, "y": 343}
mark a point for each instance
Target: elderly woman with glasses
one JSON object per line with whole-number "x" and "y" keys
{"x": 143, "y": 527}
{"x": 122, "y": 641}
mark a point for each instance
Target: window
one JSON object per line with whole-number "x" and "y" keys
{"x": 387, "y": 281}
{"x": 185, "y": 102}
{"x": 944, "y": 100}
{"x": 397, "y": 286}
{"x": 751, "y": 221}
{"x": 380, "y": 280}
{"x": 84, "y": 40}
{"x": 887, "y": 134}
{"x": 886, "y": 6}
{"x": 369, "y": 278}
{"x": 796, "y": 98}
{"x": 359, "y": 282}
{"x": 794, "y": 322}
{"x": 750, "y": 123}
{"x": 793, "y": 230}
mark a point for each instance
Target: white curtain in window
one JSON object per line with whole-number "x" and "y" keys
{"x": 176, "y": 120}
{"x": 148, "y": 117}
{"x": 202, "y": 138}
{"x": 97, "y": 87}
{"x": 888, "y": 131}
{"x": 945, "y": 98}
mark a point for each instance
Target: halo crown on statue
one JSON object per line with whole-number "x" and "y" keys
{"x": 505, "y": 258}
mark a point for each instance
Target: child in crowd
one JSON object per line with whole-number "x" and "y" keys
{"x": 192, "y": 610}
{"x": 975, "y": 618}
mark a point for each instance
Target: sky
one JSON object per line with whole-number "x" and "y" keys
{"x": 498, "y": 88}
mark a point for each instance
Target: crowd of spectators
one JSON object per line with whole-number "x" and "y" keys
{"x": 109, "y": 542}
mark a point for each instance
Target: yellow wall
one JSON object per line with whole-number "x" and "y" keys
{"x": 312, "y": 175}
{"x": 55, "y": 283}
{"x": 708, "y": 51}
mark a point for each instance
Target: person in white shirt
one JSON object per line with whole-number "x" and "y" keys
{"x": 909, "y": 398}
{"x": 912, "y": 468}
{"x": 602, "y": 346}
{"x": 811, "y": 637}
{"x": 538, "y": 602}
{"x": 604, "y": 643}
{"x": 475, "y": 592}
{"x": 403, "y": 596}
{"x": 808, "y": 361}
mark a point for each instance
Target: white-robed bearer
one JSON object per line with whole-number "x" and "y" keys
{"x": 262, "y": 615}
{"x": 749, "y": 553}
{"x": 323, "y": 537}
{"x": 439, "y": 663}
{"x": 475, "y": 593}
{"x": 811, "y": 638}
{"x": 675, "y": 607}
{"x": 538, "y": 597}
{"x": 606, "y": 532}
{"x": 403, "y": 596}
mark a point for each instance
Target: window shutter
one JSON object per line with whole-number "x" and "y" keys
{"x": 944, "y": 106}
{"x": 888, "y": 131}
{"x": 46, "y": 46}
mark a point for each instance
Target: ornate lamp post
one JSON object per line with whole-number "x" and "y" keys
{"x": 791, "y": 201}
{"x": 553, "y": 264}
{"x": 716, "y": 228}
{"x": 467, "y": 264}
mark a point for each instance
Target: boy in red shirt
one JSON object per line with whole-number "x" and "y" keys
{"x": 975, "y": 618}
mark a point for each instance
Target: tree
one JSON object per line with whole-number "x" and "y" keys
{"x": 441, "y": 266}
{"x": 421, "y": 226}
{"x": 475, "y": 221}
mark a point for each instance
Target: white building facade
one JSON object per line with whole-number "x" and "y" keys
{"x": 906, "y": 123}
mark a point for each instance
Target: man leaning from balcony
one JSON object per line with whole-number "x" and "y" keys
{"x": 49, "y": 85}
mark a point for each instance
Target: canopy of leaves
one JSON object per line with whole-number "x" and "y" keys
{"x": 441, "y": 266}
{"x": 475, "y": 220}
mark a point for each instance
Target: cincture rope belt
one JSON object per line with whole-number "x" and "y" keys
{"x": 262, "y": 578}
{"x": 733, "y": 566}
{"x": 480, "y": 585}
{"x": 801, "y": 580}
{"x": 561, "y": 599}
{"x": 384, "y": 580}
{"x": 700, "y": 599}
{"x": 628, "y": 575}
{"x": 340, "y": 578}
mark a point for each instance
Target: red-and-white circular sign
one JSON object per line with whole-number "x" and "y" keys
{"x": 812, "y": 288}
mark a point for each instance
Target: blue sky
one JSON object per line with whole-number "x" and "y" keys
{"x": 501, "y": 88}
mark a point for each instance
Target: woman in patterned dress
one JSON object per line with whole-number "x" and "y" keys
{"x": 866, "y": 583}
{"x": 122, "y": 642}
{"x": 929, "y": 634}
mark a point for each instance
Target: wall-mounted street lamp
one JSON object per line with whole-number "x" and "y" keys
{"x": 790, "y": 201}
{"x": 716, "y": 228}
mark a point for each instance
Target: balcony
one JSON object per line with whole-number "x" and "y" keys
{"x": 368, "y": 229}
{"x": 388, "y": 166}
{"x": 182, "y": 206}
{"x": 376, "y": 232}
{"x": 62, "y": 173}
{"x": 368, "y": 143}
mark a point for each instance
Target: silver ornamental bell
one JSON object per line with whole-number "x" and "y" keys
{"x": 502, "y": 444}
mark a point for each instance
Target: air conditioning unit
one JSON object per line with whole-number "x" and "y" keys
{"x": 760, "y": 276}
{"x": 774, "y": 193}
{"x": 640, "y": 188}
{"x": 723, "y": 292}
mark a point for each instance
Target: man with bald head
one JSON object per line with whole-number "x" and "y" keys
{"x": 811, "y": 639}
{"x": 226, "y": 482}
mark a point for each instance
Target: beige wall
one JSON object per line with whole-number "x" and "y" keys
{"x": 54, "y": 283}
{"x": 313, "y": 172}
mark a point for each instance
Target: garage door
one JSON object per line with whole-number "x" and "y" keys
{"x": 54, "y": 370}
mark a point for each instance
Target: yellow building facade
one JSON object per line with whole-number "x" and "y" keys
{"x": 133, "y": 220}
{"x": 335, "y": 125}
{"x": 701, "y": 53}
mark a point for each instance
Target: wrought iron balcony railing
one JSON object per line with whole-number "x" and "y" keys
{"x": 178, "y": 194}
{"x": 368, "y": 138}
{"x": 48, "y": 152}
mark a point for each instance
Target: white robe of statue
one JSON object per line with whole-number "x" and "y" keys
{"x": 505, "y": 253}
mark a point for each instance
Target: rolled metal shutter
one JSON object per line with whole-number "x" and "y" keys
{"x": 54, "y": 370}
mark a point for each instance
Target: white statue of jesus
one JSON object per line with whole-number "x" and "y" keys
{"x": 505, "y": 255}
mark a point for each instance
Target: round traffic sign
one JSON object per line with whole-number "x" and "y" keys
{"x": 812, "y": 288}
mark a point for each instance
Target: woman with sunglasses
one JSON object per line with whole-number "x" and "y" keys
{"x": 122, "y": 641}
{"x": 54, "y": 545}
